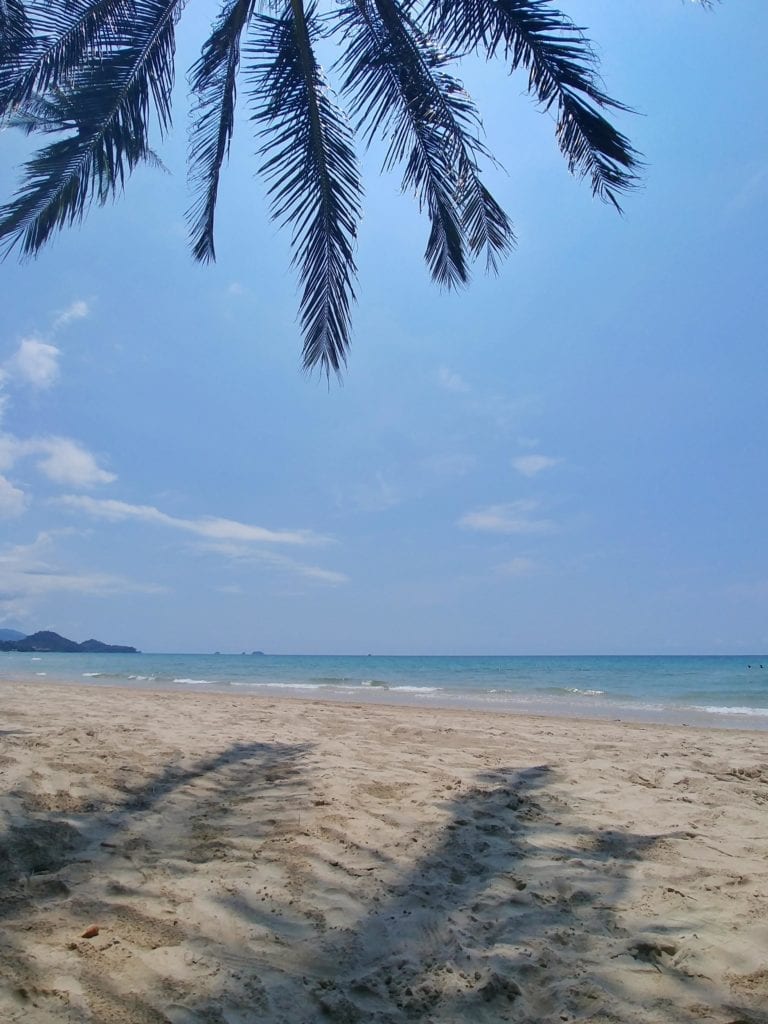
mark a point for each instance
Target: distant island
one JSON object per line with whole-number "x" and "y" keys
{"x": 11, "y": 634}
{"x": 47, "y": 642}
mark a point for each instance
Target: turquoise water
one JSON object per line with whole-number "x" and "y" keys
{"x": 716, "y": 690}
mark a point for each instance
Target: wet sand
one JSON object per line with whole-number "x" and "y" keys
{"x": 289, "y": 861}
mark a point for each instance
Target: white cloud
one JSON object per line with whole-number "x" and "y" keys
{"x": 208, "y": 527}
{"x": 27, "y": 574}
{"x": 35, "y": 362}
{"x": 63, "y": 460}
{"x": 76, "y": 310}
{"x": 13, "y": 501}
{"x": 243, "y": 554}
{"x": 515, "y": 517}
{"x": 235, "y": 288}
{"x": 67, "y": 462}
{"x": 314, "y": 572}
{"x": 451, "y": 381}
{"x": 530, "y": 465}
{"x": 235, "y": 541}
{"x": 9, "y": 451}
{"x": 517, "y": 567}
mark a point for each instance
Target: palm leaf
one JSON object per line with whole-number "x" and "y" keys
{"x": 312, "y": 172}
{"x": 43, "y": 114}
{"x": 562, "y": 72}
{"x": 15, "y": 30}
{"x": 60, "y": 37}
{"x": 399, "y": 88}
{"x": 108, "y": 103}
{"x": 213, "y": 82}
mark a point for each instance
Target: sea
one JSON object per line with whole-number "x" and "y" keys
{"x": 719, "y": 691}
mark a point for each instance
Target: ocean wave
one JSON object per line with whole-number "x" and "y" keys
{"x": 416, "y": 689}
{"x": 287, "y": 686}
{"x": 563, "y": 691}
{"x": 326, "y": 681}
{"x": 41, "y": 673}
{"x": 715, "y": 709}
{"x": 197, "y": 682}
{"x": 375, "y": 682}
{"x": 139, "y": 678}
{"x": 90, "y": 675}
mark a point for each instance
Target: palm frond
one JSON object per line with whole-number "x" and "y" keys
{"x": 213, "y": 82}
{"x": 108, "y": 104}
{"x": 60, "y": 37}
{"x": 562, "y": 72}
{"x": 400, "y": 89}
{"x": 312, "y": 172}
{"x": 43, "y": 114}
{"x": 15, "y": 30}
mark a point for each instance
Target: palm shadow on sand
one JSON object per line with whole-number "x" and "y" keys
{"x": 490, "y": 921}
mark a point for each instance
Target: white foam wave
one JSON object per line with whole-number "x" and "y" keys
{"x": 288, "y": 686}
{"x": 141, "y": 678}
{"x": 92, "y": 674}
{"x": 715, "y": 709}
{"x": 195, "y": 682}
{"x": 36, "y": 659}
{"x": 416, "y": 689}
{"x": 41, "y": 673}
{"x": 585, "y": 693}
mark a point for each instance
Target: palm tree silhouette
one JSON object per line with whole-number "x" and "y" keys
{"x": 98, "y": 75}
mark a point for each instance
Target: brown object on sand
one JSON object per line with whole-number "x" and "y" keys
{"x": 90, "y": 933}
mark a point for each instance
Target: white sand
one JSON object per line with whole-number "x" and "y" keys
{"x": 271, "y": 861}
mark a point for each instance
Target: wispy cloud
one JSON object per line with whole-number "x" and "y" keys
{"x": 449, "y": 380}
{"x": 245, "y": 554}
{"x": 515, "y": 517}
{"x": 13, "y": 500}
{"x": 35, "y": 362}
{"x": 208, "y": 527}
{"x": 29, "y": 572}
{"x": 530, "y": 465}
{"x": 77, "y": 310}
{"x": 69, "y": 463}
{"x": 61, "y": 459}
{"x": 242, "y": 543}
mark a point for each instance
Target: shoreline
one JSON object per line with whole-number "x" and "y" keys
{"x": 559, "y": 708}
{"x": 307, "y": 860}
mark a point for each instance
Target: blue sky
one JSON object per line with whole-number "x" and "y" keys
{"x": 567, "y": 458}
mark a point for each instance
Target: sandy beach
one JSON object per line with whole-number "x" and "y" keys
{"x": 296, "y": 861}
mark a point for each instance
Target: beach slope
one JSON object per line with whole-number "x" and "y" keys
{"x": 239, "y": 860}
